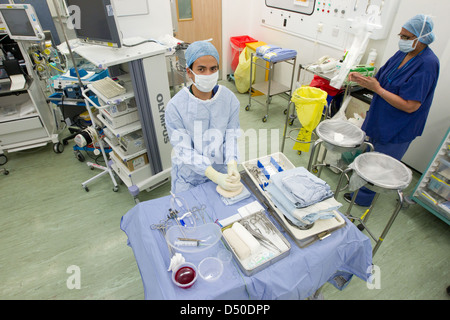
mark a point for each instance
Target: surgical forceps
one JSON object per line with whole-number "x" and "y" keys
{"x": 259, "y": 176}
{"x": 259, "y": 218}
{"x": 162, "y": 227}
{"x": 199, "y": 212}
{"x": 258, "y": 235}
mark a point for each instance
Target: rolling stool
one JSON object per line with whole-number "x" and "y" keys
{"x": 382, "y": 174}
{"x": 339, "y": 136}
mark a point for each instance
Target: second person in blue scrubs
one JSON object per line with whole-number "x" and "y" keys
{"x": 403, "y": 93}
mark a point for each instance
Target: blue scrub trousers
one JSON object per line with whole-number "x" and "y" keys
{"x": 395, "y": 150}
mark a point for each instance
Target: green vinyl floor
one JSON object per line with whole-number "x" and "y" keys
{"x": 49, "y": 223}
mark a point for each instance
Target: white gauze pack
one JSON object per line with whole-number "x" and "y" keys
{"x": 246, "y": 237}
{"x": 242, "y": 250}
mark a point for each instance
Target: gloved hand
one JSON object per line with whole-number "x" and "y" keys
{"x": 233, "y": 172}
{"x": 223, "y": 180}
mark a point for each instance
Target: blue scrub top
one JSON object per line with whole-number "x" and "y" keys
{"x": 414, "y": 81}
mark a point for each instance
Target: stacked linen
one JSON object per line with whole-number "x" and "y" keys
{"x": 302, "y": 197}
{"x": 274, "y": 53}
{"x": 262, "y": 50}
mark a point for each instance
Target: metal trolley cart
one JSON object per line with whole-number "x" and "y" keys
{"x": 270, "y": 88}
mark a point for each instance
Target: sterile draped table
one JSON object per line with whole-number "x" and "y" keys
{"x": 346, "y": 252}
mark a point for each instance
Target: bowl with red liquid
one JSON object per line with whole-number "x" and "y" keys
{"x": 185, "y": 275}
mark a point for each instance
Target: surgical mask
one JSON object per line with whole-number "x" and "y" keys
{"x": 406, "y": 45}
{"x": 205, "y": 83}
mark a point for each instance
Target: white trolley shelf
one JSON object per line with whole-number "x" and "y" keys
{"x": 26, "y": 121}
{"x": 138, "y": 109}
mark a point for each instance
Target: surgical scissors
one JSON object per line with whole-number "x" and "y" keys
{"x": 258, "y": 218}
{"x": 258, "y": 235}
{"x": 162, "y": 227}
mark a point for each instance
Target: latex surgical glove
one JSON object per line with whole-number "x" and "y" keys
{"x": 222, "y": 180}
{"x": 233, "y": 172}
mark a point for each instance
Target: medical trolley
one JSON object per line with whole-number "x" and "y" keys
{"x": 270, "y": 88}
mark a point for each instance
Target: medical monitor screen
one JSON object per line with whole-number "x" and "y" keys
{"x": 94, "y": 22}
{"x": 18, "y": 22}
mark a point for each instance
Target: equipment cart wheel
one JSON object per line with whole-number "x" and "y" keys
{"x": 3, "y": 159}
{"x": 247, "y": 108}
{"x": 58, "y": 147}
{"x": 264, "y": 119}
{"x": 86, "y": 188}
{"x": 116, "y": 188}
{"x": 79, "y": 156}
{"x": 5, "y": 172}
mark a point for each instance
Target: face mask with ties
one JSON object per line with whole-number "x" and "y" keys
{"x": 205, "y": 83}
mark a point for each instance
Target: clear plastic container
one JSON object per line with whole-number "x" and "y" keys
{"x": 444, "y": 168}
{"x": 210, "y": 268}
{"x": 224, "y": 255}
{"x": 372, "y": 57}
{"x": 440, "y": 187}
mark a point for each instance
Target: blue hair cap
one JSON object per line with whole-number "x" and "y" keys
{"x": 415, "y": 25}
{"x": 199, "y": 49}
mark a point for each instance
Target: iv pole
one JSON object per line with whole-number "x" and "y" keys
{"x": 107, "y": 169}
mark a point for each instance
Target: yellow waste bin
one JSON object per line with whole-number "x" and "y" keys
{"x": 252, "y": 47}
{"x": 309, "y": 104}
{"x": 242, "y": 72}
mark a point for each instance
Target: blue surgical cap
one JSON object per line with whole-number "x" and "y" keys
{"x": 199, "y": 49}
{"x": 415, "y": 25}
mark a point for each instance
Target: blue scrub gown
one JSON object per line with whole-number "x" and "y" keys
{"x": 202, "y": 133}
{"x": 391, "y": 130}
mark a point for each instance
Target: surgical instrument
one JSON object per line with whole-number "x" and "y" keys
{"x": 259, "y": 236}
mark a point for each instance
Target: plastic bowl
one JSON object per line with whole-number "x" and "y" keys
{"x": 210, "y": 268}
{"x": 185, "y": 275}
{"x": 208, "y": 233}
{"x": 224, "y": 255}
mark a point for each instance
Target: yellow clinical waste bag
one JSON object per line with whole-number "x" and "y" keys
{"x": 309, "y": 103}
{"x": 242, "y": 73}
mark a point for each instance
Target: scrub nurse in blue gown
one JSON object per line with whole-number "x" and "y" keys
{"x": 403, "y": 93}
{"x": 203, "y": 125}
